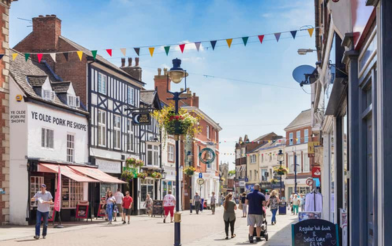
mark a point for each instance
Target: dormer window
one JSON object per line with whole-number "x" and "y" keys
{"x": 48, "y": 95}
{"x": 73, "y": 101}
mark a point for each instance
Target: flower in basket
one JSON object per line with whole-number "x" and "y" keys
{"x": 142, "y": 175}
{"x": 281, "y": 170}
{"x": 130, "y": 161}
{"x": 156, "y": 175}
{"x": 139, "y": 163}
{"x": 127, "y": 175}
{"x": 189, "y": 171}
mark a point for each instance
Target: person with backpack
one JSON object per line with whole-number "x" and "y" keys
{"x": 273, "y": 202}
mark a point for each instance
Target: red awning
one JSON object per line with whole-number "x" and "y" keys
{"x": 66, "y": 171}
{"x": 97, "y": 174}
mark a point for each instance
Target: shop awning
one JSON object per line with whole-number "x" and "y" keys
{"x": 97, "y": 174}
{"x": 66, "y": 171}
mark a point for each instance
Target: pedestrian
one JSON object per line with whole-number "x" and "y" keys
{"x": 169, "y": 201}
{"x": 273, "y": 202}
{"x": 44, "y": 199}
{"x": 229, "y": 215}
{"x": 118, "y": 207}
{"x": 110, "y": 202}
{"x": 291, "y": 202}
{"x": 296, "y": 203}
{"x": 302, "y": 203}
{"x": 148, "y": 205}
{"x": 197, "y": 201}
{"x": 127, "y": 206}
{"x": 256, "y": 202}
{"x": 267, "y": 196}
{"x": 244, "y": 205}
{"x": 212, "y": 203}
{"x": 222, "y": 199}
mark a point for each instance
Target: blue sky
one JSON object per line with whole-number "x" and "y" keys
{"x": 250, "y": 89}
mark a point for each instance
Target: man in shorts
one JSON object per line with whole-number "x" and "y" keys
{"x": 127, "y": 206}
{"x": 255, "y": 201}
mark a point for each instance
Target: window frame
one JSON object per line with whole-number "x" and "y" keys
{"x": 72, "y": 148}
{"x": 117, "y": 131}
{"x": 170, "y": 153}
{"x": 154, "y": 150}
{"x": 46, "y": 142}
{"x": 305, "y": 157}
{"x": 298, "y": 136}
{"x": 131, "y": 95}
{"x": 104, "y": 83}
{"x": 130, "y": 137}
{"x": 208, "y": 132}
{"x": 291, "y": 140}
{"x": 101, "y": 128}
{"x": 306, "y": 135}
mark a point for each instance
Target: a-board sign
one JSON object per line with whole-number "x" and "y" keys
{"x": 102, "y": 208}
{"x": 315, "y": 232}
{"x": 157, "y": 207}
{"x": 82, "y": 210}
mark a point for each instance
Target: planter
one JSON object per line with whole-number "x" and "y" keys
{"x": 176, "y": 127}
{"x": 190, "y": 173}
{"x": 281, "y": 173}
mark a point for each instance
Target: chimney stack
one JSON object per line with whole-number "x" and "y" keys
{"x": 135, "y": 72}
{"x": 129, "y": 61}
{"x": 46, "y": 33}
{"x": 122, "y": 62}
{"x": 137, "y": 61}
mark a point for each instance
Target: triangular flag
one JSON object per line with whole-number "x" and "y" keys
{"x": 39, "y": 56}
{"x": 27, "y": 55}
{"x": 66, "y": 56}
{"x": 182, "y": 47}
{"x": 1, "y": 56}
{"x": 167, "y": 48}
{"x": 245, "y": 40}
{"x": 293, "y": 33}
{"x": 80, "y": 54}
{"x": 277, "y": 36}
{"x": 151, "y": 50}
{"x": 124, "y": 51}
{"x": 94, "y": 53}
{"x": 310, "y": 31}
{"x": 14, "y": 55}
{"x": 228, "y": 41}
{"x": 197, "y": 45}
{"x": 109, "y": 51}
{"x": 53, "y": 55}
{"x": 137, "y": 50}
{"x": 213, "y": 43}
{"x": 261, "y": 38}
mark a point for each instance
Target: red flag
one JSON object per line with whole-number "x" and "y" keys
{"x": 109, "y": 51}
{"x": 57, "y": 199}
{"x": 39, "y": 56}
{"x": 182, "y": 47}
{"x": 261, "y": 37}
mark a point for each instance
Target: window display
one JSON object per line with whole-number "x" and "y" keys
{"x": 72, "y": 193}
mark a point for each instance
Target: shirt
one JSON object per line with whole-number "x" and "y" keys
{"x": 213, "y": 200}
{"x": 295, "y": 201}
{"x": 310, "y": 201}
{"x": 126, "y": 202}
{"x": 196, "y": 198}
{"x": 169, "y": 200}
{"x": 229, "y": 214}
{"x": 273, "y": 202}
{"x": 110, "y": 200}
{"x": 43, "y": 197}
{"x": 243, "y": 199}
{"x": 119, "y": 197}
{"x": 255, "y": 202}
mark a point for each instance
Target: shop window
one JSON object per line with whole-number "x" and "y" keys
{"x": 47, "y": 136}
{"x": 130, "y": 136}
{"x": 70, "y": 148}
{"x": 105, "y": 187}
{"x": 117, "y": 132}
{"x": 306, "y": 135}
{"x": 170, "y": 150}
{"x": 306, "y": 163}
{"x": 101, "y": 128}
{"x": 72, "y": 193}
{"x": 291, "y": 138}
{"x": 130, "y": 94}
{"x": 35, "y": 184}
{"x": 298, "y": 137}
{"x": 102, "y": 83}
{"x": 152, "y": 155}
{"x": 147, "y": 187}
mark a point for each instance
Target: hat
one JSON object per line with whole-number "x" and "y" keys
{"x": 43, "y": 185}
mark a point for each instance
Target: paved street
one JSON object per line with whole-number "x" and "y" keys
{"x": 204, "y": 229}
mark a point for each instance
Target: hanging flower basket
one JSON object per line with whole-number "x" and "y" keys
{"x": 142, "y": 175}
{"x": 281, "y": 170}
{"x": 156, "y": 175}
{"x": 127, "y": 175}
{"x": 132, "y": 162}
{"x": 189, "y": 171}
{"x": 274, "y": 181}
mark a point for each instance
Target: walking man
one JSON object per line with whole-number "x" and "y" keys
{"x": 44, "y": 199}
{"x": 169, "y": 201}
{"x": 197, "y": 201}
{"x": 255, "y": 201}
{"x": 119, "y": 199}
{"x": 127, "y": 206}
{"x": 213, "y": 201}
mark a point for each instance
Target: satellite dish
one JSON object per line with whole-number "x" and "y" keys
{"x": 302, "y": 73}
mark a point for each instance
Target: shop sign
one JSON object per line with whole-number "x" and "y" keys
{"x": 313, "y": 232}
{"x": 250, "y": 187}
{"x": 316, "y": 172}
{"x": 308, "y": 215}
{"x": 142, "y": 118}
{"x": 242, "y": 184}
{"x": 200, "y": 181}
{"x": 311, "y": 146}
{"x": 56, "y": 121}
{"x": 108, "y": 166}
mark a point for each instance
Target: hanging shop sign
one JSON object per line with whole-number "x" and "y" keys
{"x": 242, "y": 183}
{"x": 143, "y": 118}
{"x": 316, "y": 172}
{"x": 200, "y": 181}
{"x": 82, "y": 210}
{"x": 311, "y": 146}
{"x": 314, "y": 232}
{"x": 207, "y": 156}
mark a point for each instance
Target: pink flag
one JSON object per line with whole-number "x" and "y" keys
{"x": 57, "y": 199}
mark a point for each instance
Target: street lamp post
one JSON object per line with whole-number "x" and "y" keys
{"x": 176, "y": 74}
{"x": 280, "y": 159}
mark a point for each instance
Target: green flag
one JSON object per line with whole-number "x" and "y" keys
{"x": 27, "y": 55}
{"x": 94, "y": 52}
{"x": 245, "y": 40}
{"x": 167, "y": 48}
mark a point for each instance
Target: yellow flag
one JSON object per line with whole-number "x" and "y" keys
{"x": 14, "y": 55}
{"x": 151, "y": 50}
{"x": 80, "y": 54}
{"x": 310, "y": 31}
{"x": 228, "y": 41}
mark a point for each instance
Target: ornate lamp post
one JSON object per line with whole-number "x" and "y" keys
{"x": 280, "y": 159}
{"x": 176, "y": 74}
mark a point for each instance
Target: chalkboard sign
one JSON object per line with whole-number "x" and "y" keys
{"x": 157, "y": 207}
{"x": 315, "y": 232}
{"x": 82, "y": 210}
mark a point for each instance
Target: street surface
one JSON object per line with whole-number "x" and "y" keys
{"x": 203, "y": 229}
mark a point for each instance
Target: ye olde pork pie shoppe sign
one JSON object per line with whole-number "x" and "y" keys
{"x": 315, "y": 232}
{"x": 57, "y": 121}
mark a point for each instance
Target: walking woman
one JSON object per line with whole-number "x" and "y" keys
{"x": 274, "y": 203}
{"x": 110, "y": 200}
{"x": 229, "y": 215}
{"x": 148, "y": 204}
{"x": 296, "y": 203}
{"x": 244, "y": 205}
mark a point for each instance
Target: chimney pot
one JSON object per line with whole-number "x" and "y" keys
{"x": 40, "y": 16}
{"x": 159, "y": 71}
{"x": 47, "y": 15}
{"x": 122, "y": 62}
{"x": 129, "y": 61}
{"x": 53, "y": 15}
{"x": 136, "y": 61}
{"x": 194, "y": 94}
{"x": 165, "y": 71}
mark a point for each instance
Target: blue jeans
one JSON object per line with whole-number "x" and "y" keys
{"x": 45, "y": 216}
{"x": 109, "y": 211}
{"x": 274, "y": 214}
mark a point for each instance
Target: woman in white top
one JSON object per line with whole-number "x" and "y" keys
{"x": 169, "y": 201}
{"x": 110, "y": 200}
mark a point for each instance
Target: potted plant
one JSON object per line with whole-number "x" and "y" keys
{"x": 189, "y": 171}
{"x": 281, "y": 170}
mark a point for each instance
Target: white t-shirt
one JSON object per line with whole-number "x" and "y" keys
{"x": 119, "y": 197}
{"x": 169, "y": 200}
